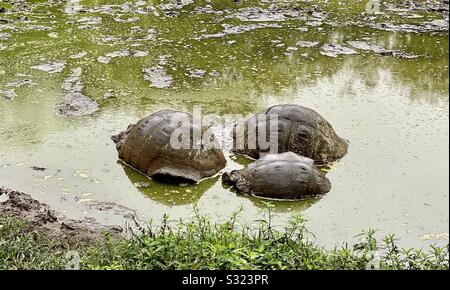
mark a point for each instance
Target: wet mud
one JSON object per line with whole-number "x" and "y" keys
{"x": 40, "y": 218}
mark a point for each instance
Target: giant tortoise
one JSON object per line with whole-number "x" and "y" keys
{"x": 280, "y": 176}
{"x": 300, "y": 130}
{"x": 148, "y": 147}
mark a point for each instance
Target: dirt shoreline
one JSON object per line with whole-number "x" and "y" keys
{"x": 40, "y": 218}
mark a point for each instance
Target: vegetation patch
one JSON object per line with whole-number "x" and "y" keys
{"x": 201, "y": 244}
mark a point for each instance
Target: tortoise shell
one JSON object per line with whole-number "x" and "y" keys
{"x": 300, "y": 130}
{"x": 281, "y": 176}
{"x": 147, "y": 146}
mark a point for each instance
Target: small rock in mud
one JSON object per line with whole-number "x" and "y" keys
{"x": 333, "y": 50}
{"x": 75, "y": 104}
{"x": 41, "y": 218}
{"x": 8, "y": 94}
{"x": 113, "y": 207}
{"x": 51, "y": 67}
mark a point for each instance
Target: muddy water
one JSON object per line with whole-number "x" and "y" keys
{"x": 72, "y": 75}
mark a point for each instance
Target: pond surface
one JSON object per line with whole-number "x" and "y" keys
{"x": 383, "y": 86}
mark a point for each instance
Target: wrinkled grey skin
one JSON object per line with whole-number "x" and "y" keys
{"x": 281, "y": 176}
{"x": 300, "y": 130}
{"x": 146, "y": 147}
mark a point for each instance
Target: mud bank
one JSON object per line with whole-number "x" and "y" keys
{"x": 40, "y": 218}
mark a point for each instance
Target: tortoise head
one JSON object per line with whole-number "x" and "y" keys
{"x": 321, "y": 183}
{"x": 237, "y": 179}
{"x": 327, "y": 145}
{"x": 120, "y": 138}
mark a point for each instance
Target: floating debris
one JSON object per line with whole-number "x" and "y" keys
{"x": 151, "y": 34}
{"x": 239, "y": 29}
{"x": 21, "y": 83}
{"x": 38, "y": 168}
{"x": 82, "y": 173}
{"x": 333, "y": 50}
{"x": 175, "y": 4}
{"x": 78, "y": 55}
{"x": 8, "y": 94}
{"x": 304, "y": 43}
{"x": 121, "y": 53}
{"x": 196, "y": 73}
{"x": 128, "y": 20}
{"x": 89, "y": 22}
{"x": 157, "y": 74}
{"x": 75, "y": 104}
{"x": 207, "y": 9}
{"x": 362, "y": 45}
{"x": 36, "y": 28}
{"x": 441, "y": 236}
{"x": 214, "y": 73}
{"x": 73, "y": 7}
{"x": 437, "y": 26}
{"x": 158, "y": 77}
{"x": 4, "y": 35}
{"x": 108, "y": 94}
{"x": 142, "y": 184}
{"x": 258, "y": 14}
{"x": 51, "y": 67}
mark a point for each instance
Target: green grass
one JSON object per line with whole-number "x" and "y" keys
{"x": 201, "y": 244}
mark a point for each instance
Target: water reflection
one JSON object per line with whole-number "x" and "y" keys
{"x": 173, "y": 193}
{"x": 277, "y": 206}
